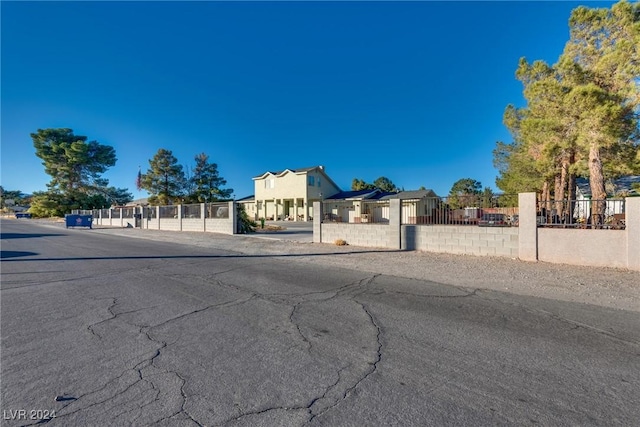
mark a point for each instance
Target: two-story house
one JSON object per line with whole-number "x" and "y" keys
{"x": 289, "y": 194}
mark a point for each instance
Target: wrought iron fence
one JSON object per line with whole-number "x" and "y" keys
{"x": 356, "y": 212}
{"x": 601, "y": 214}
{"x": 217, "y": 210}
{"x": 191, "y": 211}
{"x": 128, "y": 212}
{"x": 168, "y": 211}
{"x": 500, "y": 210}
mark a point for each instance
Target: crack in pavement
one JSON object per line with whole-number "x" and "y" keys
{"x": 373, "y": 365}
{"x": 90, "y": 328}
{"x": 574, "y": 323}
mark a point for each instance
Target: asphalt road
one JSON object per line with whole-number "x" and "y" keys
{"x": 103, "y": 330}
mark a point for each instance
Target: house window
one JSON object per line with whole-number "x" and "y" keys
{"x": 311, "y": 181}
{"x": 269, "y": 183}
{"x": 318, "y": 182}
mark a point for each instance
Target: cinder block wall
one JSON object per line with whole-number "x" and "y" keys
{"x": 472, "y": 240}
{"x": 597, "y": 248}
{"x": 219, "y": 225}
{"x": 369, "y": 235}
{"x": 192, "y": 224}
{"x": 170, "y": 224}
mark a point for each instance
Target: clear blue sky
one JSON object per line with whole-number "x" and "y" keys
{"x": 413, "y": 91}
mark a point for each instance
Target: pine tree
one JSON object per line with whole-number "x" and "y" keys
{"x": 164, "y": 180}
{"x": 207, "y": 181}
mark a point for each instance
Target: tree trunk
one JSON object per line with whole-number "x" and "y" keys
{"x": 558, "y": 195}
{"x": 596, "y": 182}
{"x": 564, "y": 172}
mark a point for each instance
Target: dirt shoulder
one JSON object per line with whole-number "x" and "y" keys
{"x": 608, "y": 287}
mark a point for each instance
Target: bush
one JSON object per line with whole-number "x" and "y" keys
{"x": 245, "y": 224}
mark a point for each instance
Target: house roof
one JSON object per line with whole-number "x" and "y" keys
{"x": 247, "y": 199}
{"x": 375, "y": 194}
{"x": 353, "y": 195}
{"x": 300, "y": 171}
{"x": 285, "y": 171}
{"x": 414, "y": 194}
{"x": 622, "y": 184}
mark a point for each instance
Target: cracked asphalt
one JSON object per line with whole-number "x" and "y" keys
{"x": 100, "y": 328}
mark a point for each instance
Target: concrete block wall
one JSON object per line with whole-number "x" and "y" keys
{"x": 192, "y": 224}
{"x": 223, "y": 226}
{"x": 369, "y": 235}
{"x": 170, "y": 224}
{"x": 596, "y": 248}
{"x": 151, "y": 224}
{"x": 459, "y": 239}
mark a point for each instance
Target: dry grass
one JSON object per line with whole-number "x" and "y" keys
{"x": 340, "y": 242}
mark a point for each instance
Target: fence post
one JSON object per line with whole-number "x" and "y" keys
{"x": 180, "y": 217}
{"x": 203, "y": 216}
{"x": 632, "y": 228}
{"x": 158, "y": 215}
{"x": 395, "y": 231}
{"x": 318, "y": 214}
{"x": 110, "y": 217}
{"x": 527, "y": 227}
{"x": 233, "y": 216}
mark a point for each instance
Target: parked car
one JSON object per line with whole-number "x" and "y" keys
{"x": 493, "y": 220}
{"x": 23, "y": 215}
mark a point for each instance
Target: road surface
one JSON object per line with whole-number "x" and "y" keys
{"x": 102, "y": 330}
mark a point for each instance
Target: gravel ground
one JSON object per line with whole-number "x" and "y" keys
{"x": 608, "y": 287}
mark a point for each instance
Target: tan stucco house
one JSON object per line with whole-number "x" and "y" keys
{"x": 289, "y": 194}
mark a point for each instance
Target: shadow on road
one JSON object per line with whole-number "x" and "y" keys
{"x": 191, "y": 256}
{"x": 25, "y": 235}
{"x": 15, "y": 254}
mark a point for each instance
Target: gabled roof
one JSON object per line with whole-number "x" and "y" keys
{"x": 247, "y": 199}
{"x": 410, "y": 195}
{"x": 301, "y": 171}
{"x": 285, "y": 171}
{"x": 353, "y": 195}
{"x": 622, "y": 184}
{"x": 375, "y": 194}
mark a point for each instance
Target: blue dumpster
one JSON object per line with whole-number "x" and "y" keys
{"x": 73, "y": 220}
{"x": 23, "y": 215}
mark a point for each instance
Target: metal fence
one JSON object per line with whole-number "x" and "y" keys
{"x": 217, "y": 210}
{"x": 356, "y": 212}
{"x": 191, "y": 211}
{"x": 461, "y": 210}
{"x": 601, "y": 214}
{"x": 169, "y": 211}
{"x": 128, "y": 212}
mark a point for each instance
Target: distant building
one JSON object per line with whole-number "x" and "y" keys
{"x": 289, "y": 194}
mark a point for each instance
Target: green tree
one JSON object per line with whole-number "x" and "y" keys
{"x": 358, "y": 184}
{"x": 465, "y": 192}
{"x": 207, "y": 182}
{"x": 385, "y": 184}
{"x": 582, "y": 113}
{"x": 164, "y": 180}
{"x": 12, "y": 198}
{"x": 604, "y": 47}
{"x": 487, "y": 198}
{"x": 382, "y": 183}
{"x": 73, "y": 163}
{"x": 75, "y": 166}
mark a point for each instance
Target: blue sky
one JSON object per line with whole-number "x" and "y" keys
{"x": 413, "y": 91}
